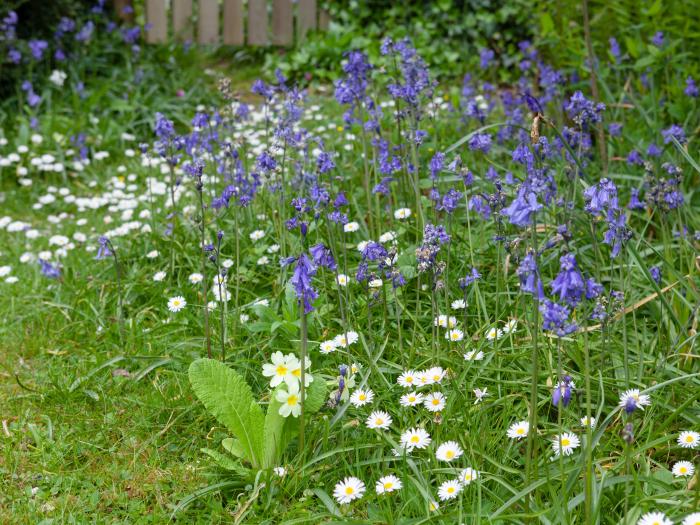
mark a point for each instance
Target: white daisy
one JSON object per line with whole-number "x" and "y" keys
{"x": 387, "y": 484}
{"x": 152, "y": 254}
{"x": 159, "y": 276}
{"x": 326, "y": 347}
{"x": 375, "y": 283}
{"x": 408, "y": 379}
{"x": 459, "y": 304}
{"x": 361, "y": 397}
{"x": 519, "y": 430}
{"x": 480, "y": 394}
{"x": 415, "y": 438}
{"x": 494, "y": 333}
{"x": 565, "y": 443}
{"x": 692, "y": 519}
{"x": 342, "y": 279}
{"x": 511, "y": 326}
{"x": 378, "y": 419}
{"x": 402, "y": 213}
{"x": 632, "y": 399}
{"x": 433, "y": 506}
{"x": 280, "y": 471}
{"x": 586, "y": 422}
{"x": 351, "y": 227}
{"x": 434, "y": 402}
{"x": 688, "y": 439}
{"x": 195, "y": 278}
{"x": 436, "y": 373}
{"x": 346, "y": 339}
{"x": 177, "y": 303}
{"x": 444, "y": 321}
{"x": 262, "y": 261}
{"x": 654, "y": 518}
{"x": 257, "y": 235}
{"x": 683, "y": 468}
{"x": 468, "y": 475}
{"x": 448, "y": 451}
{"x": 474, "y": 355}
{"x": 411, "y": 399}
{"x": 454, "y": 335}
{"x": 424, "y": 378}
{"x": 348, "y": 490}
{"x": 449, "y": 489}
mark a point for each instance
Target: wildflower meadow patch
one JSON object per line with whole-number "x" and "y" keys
{"x": 394, "y": 298}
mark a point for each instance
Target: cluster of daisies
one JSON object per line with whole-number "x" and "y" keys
{"x": 411, "y": 440}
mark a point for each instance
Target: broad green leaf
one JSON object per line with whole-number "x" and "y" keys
{"x": 227, "y": 396}
{"x": 226, "y": 462}
{"x": 273, "y": 433}
{"x": 315, "y": 395}
{"x": 233, "y": 446}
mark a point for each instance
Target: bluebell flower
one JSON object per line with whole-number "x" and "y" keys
{"x": 49, "y": 270}
{"x": 480, "y": 142}
{"x": 555, "y": 317}
{"x": 436, "y": 165}
{"x": 673, "y": 132}
{"x": 618, "y": 233}
{"x": 635, "y": 203}
{"x": 472, "y": 276}
{"x": 614, "y": 48}
{"x": 655, "y": 272}
{"x": 304, "y": 270}
{"x": 593, "y": 288}
{"x": 103, "y": 250}
{"x": 529, "y": 276}
{"x": 322, "y": 256}
{"x": 521, "y": 210}
{"x": 691, "y": 89}
{"x": 583, "y": 111}
{"x": 486, "y": 55}
{"x": 561, "y": 395}
{"x": 569, "y": 283}
{"x": 658, "y": 39}
{"x": 601, "y": 197}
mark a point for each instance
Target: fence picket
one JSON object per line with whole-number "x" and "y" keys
{"x": 233, "y": 23}
{"x": 155, "y": 16}
{"x": 208, "y": 25}
{"x": 257, "y": 22}
{"x": 282, "y": 23}
{"x": 306, "y": 20}
{"x": 182, "y": 19}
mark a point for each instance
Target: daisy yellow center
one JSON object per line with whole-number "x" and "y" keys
{"x": 683, "y": 470}
{"x": 689, "y": 439}
{"x": 415, "y": 439}
{"x": 388, "y": 485}
{"x": 292, "y": 400}
{"x": 436, "y": 401}
{"x": 450, "y": 490}
{"x": 520, "y": 431}
{"x": 450, "y": 454}
{"x": 565, "y": 442}
{"x": 412, "y": 399}
{"x": 467, "y": 477}
{"x": 349, "y": 490}
{"x": 455, "y": 336}
{"x": 409, "y": 379}
{"x": 281, "y": 370}
{"x": 176, "y": 302}
{"x": 362, "y": 397}
{"x": 379, "y": 421}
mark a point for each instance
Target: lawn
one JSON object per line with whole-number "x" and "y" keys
{"x": 397, "y": 298}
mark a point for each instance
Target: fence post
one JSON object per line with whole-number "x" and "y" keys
{"x": 155, "y": 16}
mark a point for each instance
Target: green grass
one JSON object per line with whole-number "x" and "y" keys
{"x": 100, "y": 422}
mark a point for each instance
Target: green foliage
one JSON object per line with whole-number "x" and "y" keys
{"x": 259, "y": 440}
{"x": 447, "y": 34}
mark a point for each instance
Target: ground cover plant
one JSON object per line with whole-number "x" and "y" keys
{"x": 386, "y": 300}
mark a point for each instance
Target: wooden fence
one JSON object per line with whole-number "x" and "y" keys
{"x": 233, "y": 22}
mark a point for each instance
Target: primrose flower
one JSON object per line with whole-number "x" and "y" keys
{"x": 290, "y": 400}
